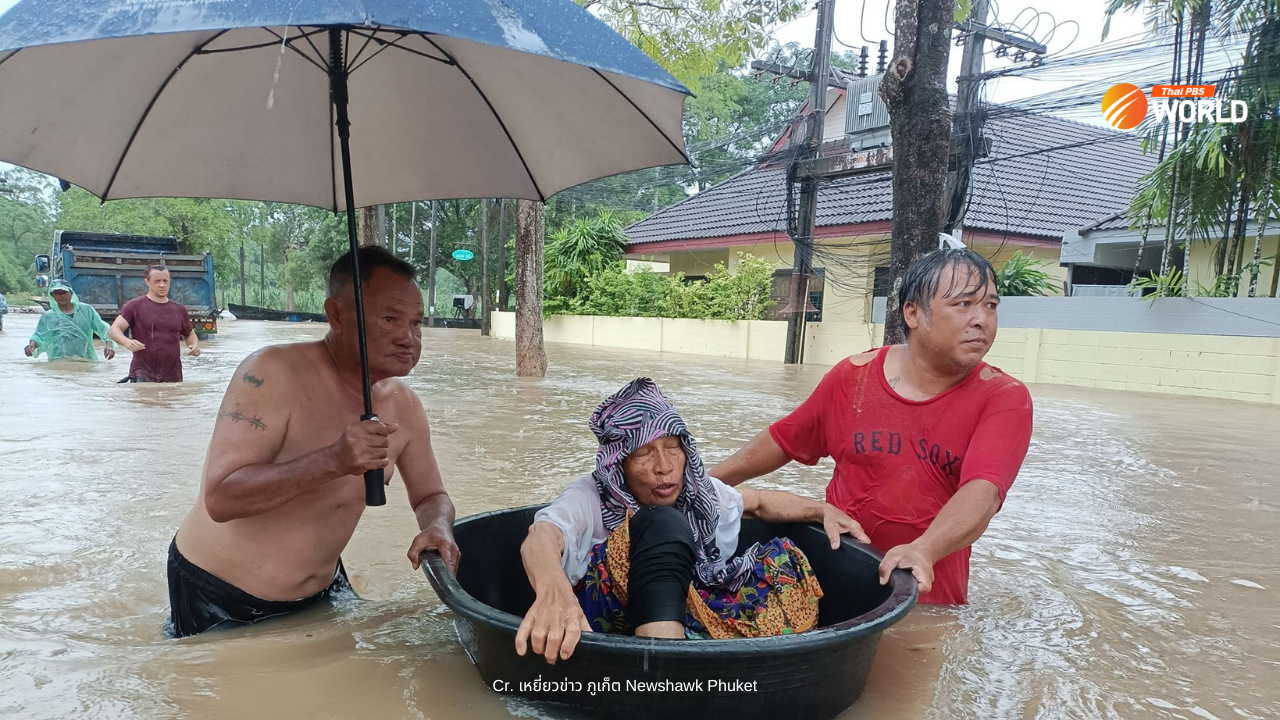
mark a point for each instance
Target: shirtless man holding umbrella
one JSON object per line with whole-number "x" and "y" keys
{"x": 282, "y": 490}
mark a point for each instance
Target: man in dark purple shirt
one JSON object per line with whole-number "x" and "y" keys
{"x": 157, "y": 325}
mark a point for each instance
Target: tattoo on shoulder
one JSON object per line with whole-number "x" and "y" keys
{"x": 237, "y": 417}
{"x": 893, "y": 381}
{"x": 254, "y": 381}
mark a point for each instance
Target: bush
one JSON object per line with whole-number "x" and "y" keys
{"x": 724, "y": 295}
{"x": 1171, "y": 284}
{"x": 581, "y": 249}
{"x": 740, "y": 295}
{"x": 1022, "y": 276}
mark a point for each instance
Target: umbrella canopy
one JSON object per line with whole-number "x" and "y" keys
{"x": 222, "y": 99}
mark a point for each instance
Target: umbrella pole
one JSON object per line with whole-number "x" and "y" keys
{"x": 374, "y": 493}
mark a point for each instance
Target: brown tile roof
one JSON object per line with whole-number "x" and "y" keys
{"x": 1044, "y": 175}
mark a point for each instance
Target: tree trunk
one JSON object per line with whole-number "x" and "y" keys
{"x": 1186, "y": 242}
{"x": 288, "y": 298}
{"x": 1275, "y": 273}
{"x": 1220, "y": 253}
{"x": 372, "y": 228}
{"x": 262, "y": 276}
{"x": 1146, "y": 222}
{"x": 485, "y": 306}
{"x": 1236, "y": 251}
{"x": 1177, "y": 140}
{"x": 1263, "y": 216}
{"x": 431, "y": 270}
{"x": 531, "y": 358}
{"x": 503, "y": 294}
{"x": 915, "y": 90}
{"x": 1171, "y": 222}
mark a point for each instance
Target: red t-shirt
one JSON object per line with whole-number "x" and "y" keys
{"x": 161, "y": 327}
{"x": 899, "y": 461}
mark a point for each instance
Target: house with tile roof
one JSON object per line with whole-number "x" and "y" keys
{"x": 1101, "y": 257}
{"x": 1042, "y": 177}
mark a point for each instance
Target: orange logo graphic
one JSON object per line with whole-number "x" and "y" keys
{"x": 1124, "y": 106}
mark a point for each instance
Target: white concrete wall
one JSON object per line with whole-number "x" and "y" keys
{"x": 1239, "y": 368}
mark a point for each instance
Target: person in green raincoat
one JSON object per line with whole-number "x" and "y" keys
{"x": 66, "y": 330}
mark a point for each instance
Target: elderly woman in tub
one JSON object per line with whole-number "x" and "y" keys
{"x": 646, "y": 543}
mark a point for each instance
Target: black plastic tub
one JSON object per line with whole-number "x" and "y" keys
{"x": 809, "y": 676}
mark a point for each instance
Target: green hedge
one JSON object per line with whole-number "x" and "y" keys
{"x": 743, "y": 294}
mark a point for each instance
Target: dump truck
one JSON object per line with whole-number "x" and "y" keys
{"x": 106, "y": 271}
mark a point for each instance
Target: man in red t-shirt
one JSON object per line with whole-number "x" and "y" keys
{"x": 927, "y": 438}
{"x": 157, "y": 325}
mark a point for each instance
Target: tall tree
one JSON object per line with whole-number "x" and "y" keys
{"x": 531, "y": 357}
{"x": 691, "y": 39}
{"x": 372, "y": 226}
{"x": 915, "y": 90}
{"x": 1218, "y": 182}
{"x": 26, "y": 212}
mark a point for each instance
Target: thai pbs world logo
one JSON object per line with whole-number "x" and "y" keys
{"x": 1125, "y": 106}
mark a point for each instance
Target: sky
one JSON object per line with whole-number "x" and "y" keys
{"x": 863, "y": 22}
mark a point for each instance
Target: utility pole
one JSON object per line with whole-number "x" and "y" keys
{"x": 262, "y": 275}
{"x": 242, "y": 302}
{"x": 484, "y": 267}
{"x": 965, "y": 128}
{"x": 413, "y": 229}
{"x": 967, "y": 143}
{"x": 431, "y": 271}
{"x": 806, "y": 220}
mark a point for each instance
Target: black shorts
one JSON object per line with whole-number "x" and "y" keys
{"x": 200, "y": 600}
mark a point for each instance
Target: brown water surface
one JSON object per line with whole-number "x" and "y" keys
{"x": 1133, "y": 572}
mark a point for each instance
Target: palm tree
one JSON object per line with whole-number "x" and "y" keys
{"x": 1216, "y": 177}
{"x": 581, "y": 249}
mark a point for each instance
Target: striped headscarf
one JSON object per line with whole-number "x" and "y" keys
{"x": 631, "y": 418}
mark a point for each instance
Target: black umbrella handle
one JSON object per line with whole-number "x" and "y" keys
{"x": 375, "y": 494}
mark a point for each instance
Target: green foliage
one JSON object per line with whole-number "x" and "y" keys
{"x": 740, "y": 295}
{"x": 723, "y": 295}
{"x": 1171, "y": 284}
{"x": 692, "y": 38}
{"x": 579, "y": 250}
{"x": 1227, "y": 285}
{"x": 1202, "y": 177}
{"x": 1023, "y": 276}
{"x": 25, "y": 229}
{"x": 616, "y": 292}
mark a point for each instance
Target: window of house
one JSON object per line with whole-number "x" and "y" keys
{"x": 781, "y": 290}
{"x": 1092, "y": 275}
{"x": 882, "y": 282}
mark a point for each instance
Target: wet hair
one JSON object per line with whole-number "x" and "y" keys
{"x": 923, "y": 279}
{"x": 153, "y": 268}
{"x": 371, "y": 257}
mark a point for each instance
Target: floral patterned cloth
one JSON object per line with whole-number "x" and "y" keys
{"x": 780, "y": 595}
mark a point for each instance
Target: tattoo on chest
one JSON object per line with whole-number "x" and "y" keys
{"x": 893, "y": 381}
{"x": 237, "y": 417}
{"x": 254, "y": 381}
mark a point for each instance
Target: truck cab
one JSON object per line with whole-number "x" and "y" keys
{"x": 106, "y": 271}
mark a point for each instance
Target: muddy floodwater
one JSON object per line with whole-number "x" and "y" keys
{"x": 1134, "y": 571}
